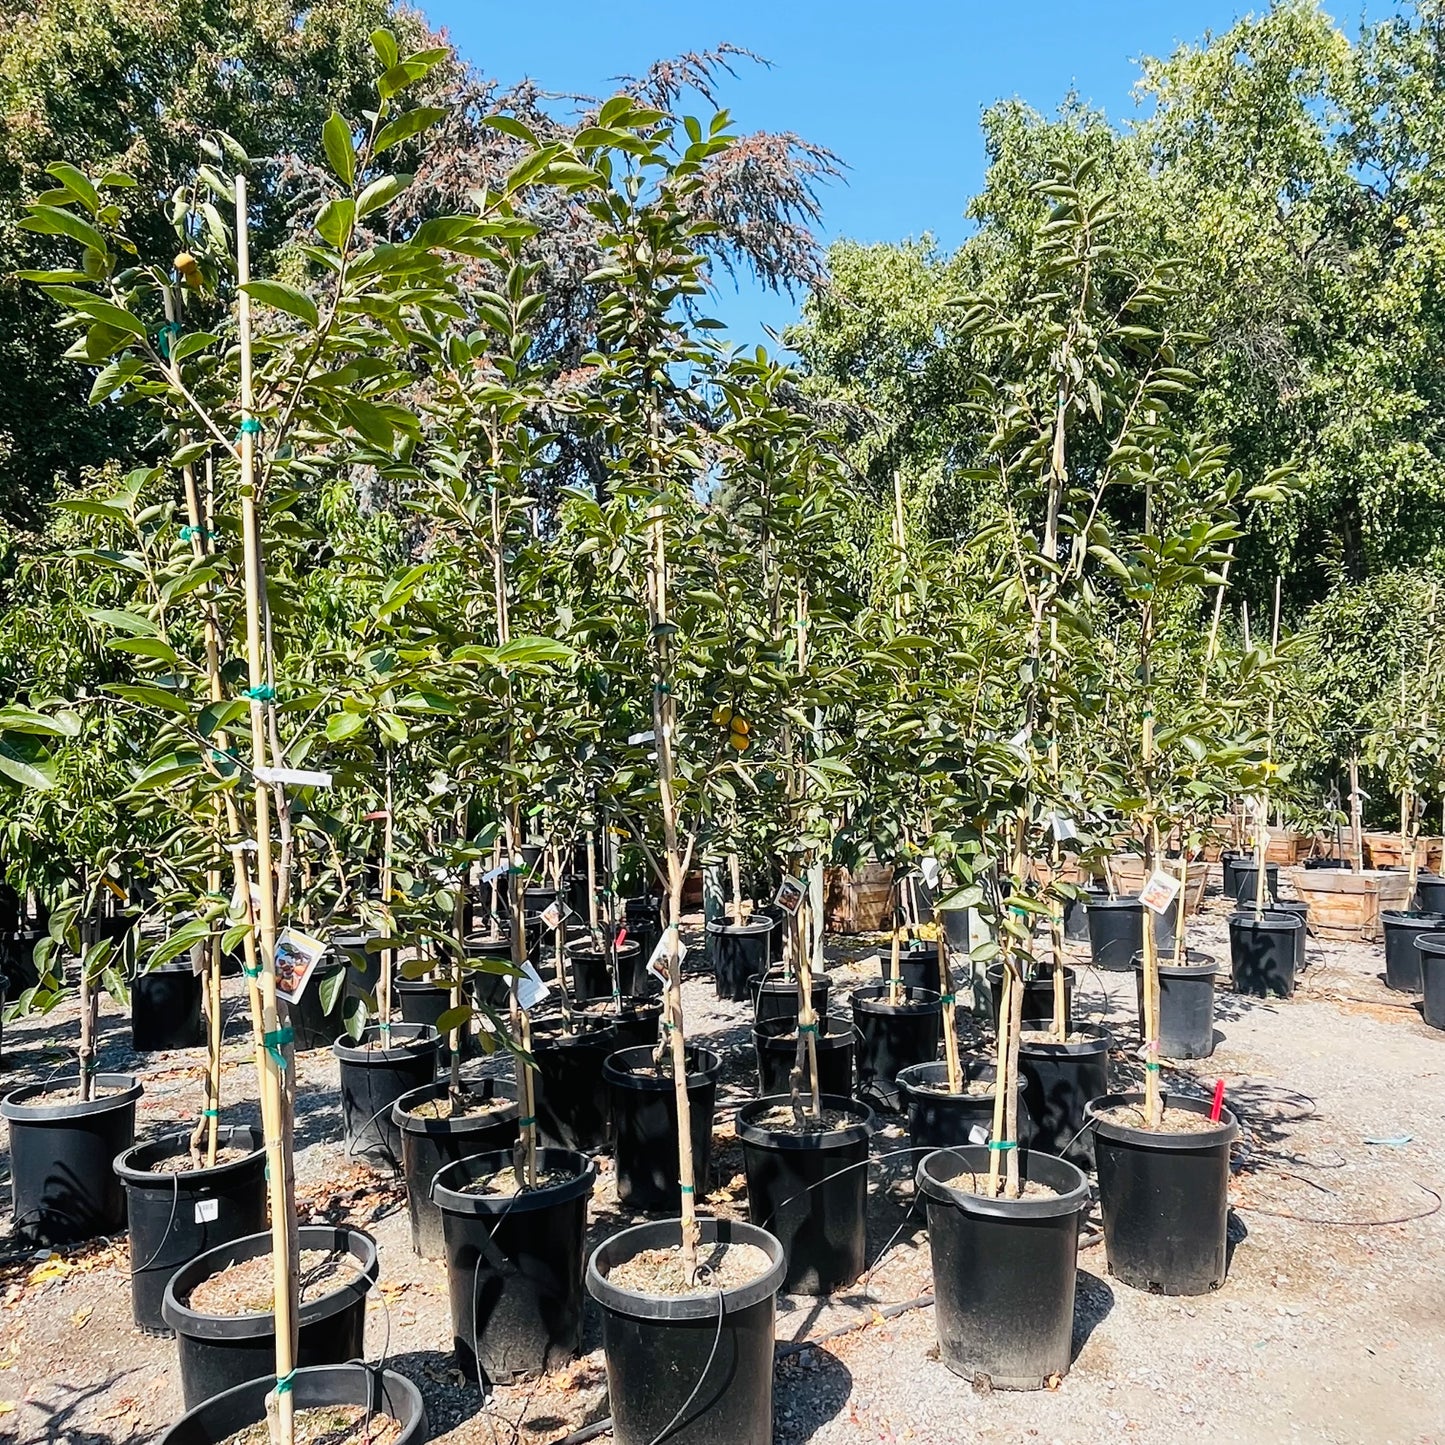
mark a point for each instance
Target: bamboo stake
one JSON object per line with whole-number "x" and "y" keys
{"x": 388, "y": 954}
{"x": 735, "y": 876}
{"x": 275, "y": 1054}
{"x": 1357, "y": 836}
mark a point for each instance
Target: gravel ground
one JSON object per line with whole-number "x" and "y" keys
{"x": 1330, "y": 1327}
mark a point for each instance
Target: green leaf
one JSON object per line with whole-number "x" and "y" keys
{"x": 383, "y": 44}
{"x": 510, "y": 125}
{"x": 218, "y": 715}
{"x": 340, "y": 152}
{"x": 37, "y": 772}
{"x": 16, "y": 719}
{"x": 343, "y": 725}
{"x": 192, "y": 342}
{"x": 112, "y": 378}
{"x": 109, "y": 315}
{"x": 335, "y": 222}
{"x": 77, "y": 183}
{"x": 118, "y": 621}
{"x": 453, "y": 1018}
{"x": 53, "y": 221}
{"x": 151, "y": 647}
{"x": 406, "y": 126}
{"x": 381, "y": 192}
{"x": 284, "y": 298}
{"x": 371, "y": 422}
{"x": 146, "y": 696}
{"x": 172, "y": 768}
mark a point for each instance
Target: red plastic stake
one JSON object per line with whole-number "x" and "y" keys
{"x": 620, "y": 939}
{"x": 1218, "y": 1104}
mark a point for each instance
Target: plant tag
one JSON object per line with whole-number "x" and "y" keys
{"x": 1062, "y": 827}
{"x": 657, "y": 963}
{"x": 495, "y": 873}
{"x": 531, "y": 990}
{"x": 790, "y": 895}
{"x": 207, "y": 1211}
{"x": 978, "y": 1134}
{"x": 637, "y": 738}
{"x": 1159, "y": 892}
{"x": 296, "y": 777}
{"x": 551, "y": 916}
{"x": 297, "y": 954}
{"x": 928, "y": 865}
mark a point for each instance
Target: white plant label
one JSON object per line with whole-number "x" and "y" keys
{"x": 296, "y": 777}
{"x": 639, "y": 738}
{"x": 494, "y": 874}
{"x": 297, "y": 955}
{"x": 531, "y": 989}
{"x": 1063, "y": 827}
{"x": 551, "y": 916}
{"x": 929, "y": 867}
{"x": 208, "y": 1211}
{"x": 978, "y": 1134}
{"x": 790, "y": 895}
{"x": 657, "y": 963}
{"x": 1159, "y": 893}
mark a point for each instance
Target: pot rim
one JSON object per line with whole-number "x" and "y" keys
{"x": 994, "y": 974}
{"x": 1225, "y": 1133}
{"x": 493, "y": 1161}
{"x": 629, "y": 948}
{"x": 1131, "y": 901}
{"x": 125, "y": 1163}
{"x": 421, "y": 985}
{"x": 1268, "y": 922}
{"x": 423, "y": 1038}
{"x": 1073, "y": 1199}
{"x": 20, "y": 1110}
{"x": 857, "y": 1132}
{"x": 592, "y": 1031}
{"x": 1099, "y": 1041}
{"x": 704, "y": 1068}
{"x": 1185, "y": 969}
{"x": 199, "y": 1325}
{"x": 873, "y": 998}
{"x": 933, "y": 1071}
{"x": 664, "y": 1232}
{"x": 398, "y": 1387}
{"x": 1419, "y": 920}
{"x": 410, "y": 1123}
{"x": 1432, "y": 944}
{"x": 775, "y": 979}
{"x": 840, "y": 1032}
{"x": 753, "y": 923}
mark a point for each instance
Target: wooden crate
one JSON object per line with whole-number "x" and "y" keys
{"x": 1288, "y": 848}
{"x": 1127, "y": 872}
{"x": 1385, "y": 850}
{"x": 858, "y": 902}
{"x": 1346, "y": 905}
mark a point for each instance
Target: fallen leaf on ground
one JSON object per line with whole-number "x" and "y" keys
{"x": 82, "y": 1316}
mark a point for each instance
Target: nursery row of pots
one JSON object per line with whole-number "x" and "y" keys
{"x": 1415, "y": 959}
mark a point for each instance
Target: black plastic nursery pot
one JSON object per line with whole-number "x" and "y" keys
{"x": 690, "y": 1370}
{"x": 1038, "y": 996}
{"x": 776, "y": 1045}
{"x": 810, "y": 1191}
{"x": 1246, "y": 882}
{"x": 1300, "y": 911}
{"x": 363, "y": 966}
{"x": 636, "y": 1022}
{"x": 63, "y": 1184}
{"x": 954, "y": 922}
{"x": 1430, "y": 893}
{"x": 373, "y": 1078}
{"x": 940, "y": 1120}
{"x": 1004, "y": 1270}
{"x": 514, "y": 1263}
{"x": 1186, "y": 1004}
{"x": 1228, "y": 862}
{"x": 1326, "y": 863}
{"x": 642, "y": 917}
{"x": 1431, "y": 948}
{"x": 165, "y": 1009}
{"x": 1076, "y": 918}
{"x": 917, "y": 967}
{"x": 1264, "y": 953}
{"x": 427, "y": 1145}
{"x": 424, "y": 1001}
{"x": 644, "y": 1121}
{"x": 1116, "y": 931}
{"x": 486, "y": 988}
{"x": 1402, "y": 960}
{"x": 219, "y": 1352}
{"x": 313, "y": 1025}
{"x": 4, "y": 996}
{"x": 1059, "y": 1081}
{"x": 571, "y": 1098}
{"x": 888, "y": 1037}
{"x": 776, "y": 997}
{"x": 17, "y": 958}
{"x": 592, "y": 973}
{"x": 741, "y": 953}
{"x": 176, "y": 1216}
{"x": 382, "y": 1392}
{"x": 1164, "y": 1198}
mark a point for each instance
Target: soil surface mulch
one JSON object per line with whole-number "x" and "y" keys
{"x": 468, "y": 1106}
{"x": 504, "y": 1185}
{"x": 246, "y": 1288}
{"x": 783, "y": 1120}
{"x": 327, "y": 1425}
{"x": 972, "y": 1089}
{"x": 720, "y": 1267}
{"x": 1173, "y": 1121}
{"x": 188, "y": 1163}
{"x": 1043, "y": 1036}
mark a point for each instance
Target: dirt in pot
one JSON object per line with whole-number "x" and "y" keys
{"x": 327, "y": 1425}
{"x": 720, "y": 1267}
{"x": 53, "y": 1098}
{"x": 245, "y": 1288}
{"x": 463, "y": 1106}
{"x": 972, "y": 1089}
{"x": 783, "y": 1120}
{"x": 1173, "y": 1121}
{"x": 1046, "y": 1036}
{"x": 969, "y": 1182}
{"x": 187, "y": 1163}
{"x": 504, "y": 1185}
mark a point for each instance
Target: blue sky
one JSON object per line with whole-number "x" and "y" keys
{"x": 895, "y": 90}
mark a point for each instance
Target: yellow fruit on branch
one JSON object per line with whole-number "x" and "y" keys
{"x": 722, "y": 716}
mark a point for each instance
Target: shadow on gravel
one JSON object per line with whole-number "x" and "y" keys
{"x": 434, "y": 1373}
{"x": 58, "y": 1419}
{"x": 810, "y": 1388}
{"x": 1093, "y": 1303}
